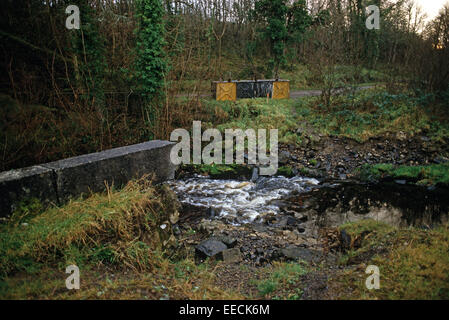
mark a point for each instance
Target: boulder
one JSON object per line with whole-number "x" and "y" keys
{"x": 210, "y": 248}
{"x": 298, "y": 253}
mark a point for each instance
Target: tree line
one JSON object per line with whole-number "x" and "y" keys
{"x": 131, "y": 56}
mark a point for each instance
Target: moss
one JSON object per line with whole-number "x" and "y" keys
{"x": 423, "y": 175}
{"x": 413, "y": 263}
{"x": 285, "y": 171}
{"x": 25, "y": 210}
{"x": 222, "y": 171}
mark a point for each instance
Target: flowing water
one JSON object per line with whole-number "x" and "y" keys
{"x": 243, "y": 202}
{"x": 322, "y": 204}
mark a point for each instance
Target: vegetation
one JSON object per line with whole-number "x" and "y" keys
{"x": 360, "y": 115}
{"x": 220, "y": 171}
{"x": 69, "y": 92}
{"x": 374, "y": 113}
{"x": 87, "y": 231}
{"x": 282, "y": 282}
{"x": 150, "y": 65}
{"x": 413, "y": 262}
{"x": 114, "y": 238}
{"x": 425, "y": 175}
{"x": 284, "y": 25}
{"x": 138, "y": 69}
{"x": 121, "y": 249}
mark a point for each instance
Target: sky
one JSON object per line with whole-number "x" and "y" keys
{"x": 431, "y": 7}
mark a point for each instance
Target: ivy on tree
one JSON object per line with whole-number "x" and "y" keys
{"x": 151, "y": 62}
{"x": 284, "y": 24}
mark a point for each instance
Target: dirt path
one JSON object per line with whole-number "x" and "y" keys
{"x": 314, "y": 93}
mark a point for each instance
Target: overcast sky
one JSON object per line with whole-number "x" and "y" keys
{"x": 431, "y": 7}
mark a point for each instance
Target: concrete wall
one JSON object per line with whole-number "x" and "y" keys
{"x": 57, "y": 182}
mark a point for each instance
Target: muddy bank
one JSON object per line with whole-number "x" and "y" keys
{"x": 299, "y": 225}
{"x": 251, "y": 222}
{"x": 282, "y": 218}
{"x": 394, "y": 203}
{"x": 334, "y": 157}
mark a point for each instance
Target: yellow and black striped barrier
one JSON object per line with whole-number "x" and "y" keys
{"x": 243, "y": 89}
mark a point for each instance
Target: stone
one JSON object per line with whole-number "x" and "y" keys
{"x": 304, "y": 142}
{"x": 440, "y": 160}
{"x": 299, "y": 253}
{"x": 314, "y": 138}
{"x": 211, "y": 226}
{"x": 301, "y": 217}
{"x": 255, "y": 175}
{"x": 401, "y": 136}
{"x": 174, "y": 217}
{"x": 211, "y": 212}
{"x": 228, "y": 241}
{"x": 211, "y": 248}
{"x": 232, "y": 255}
{"x": 284, "y": 157}
{"x": 89, "y": 173}
{"x": 36, "y": 182}
{"x": 291, "y": 221}
{"x": 283, "y": 221}
{"x": 59, "y": 181}
{"x": 345, "y": 240}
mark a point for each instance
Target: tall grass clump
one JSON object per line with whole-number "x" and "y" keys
{"x": 119, "y": 227}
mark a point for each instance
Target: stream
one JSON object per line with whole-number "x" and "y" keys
{"x": 312, "y": 204}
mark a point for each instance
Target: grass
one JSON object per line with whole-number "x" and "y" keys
{"x": 83, "y": 231}
{"x": 116, "y": 241}
{"x": 424, "y": 175}
{"x": 285, "y": 171}
{"x": 34, "y": 134}
{"x": 374, "y": 113}
{"x": 360, "y": 116}
{"x": 253, "y": 114}
{"x": 413, "y": 263}
{"x": 364, "y": 115}
{"x": 282, "y": 281}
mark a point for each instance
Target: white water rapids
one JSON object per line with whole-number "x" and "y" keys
{"x": 244, "y": 201}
